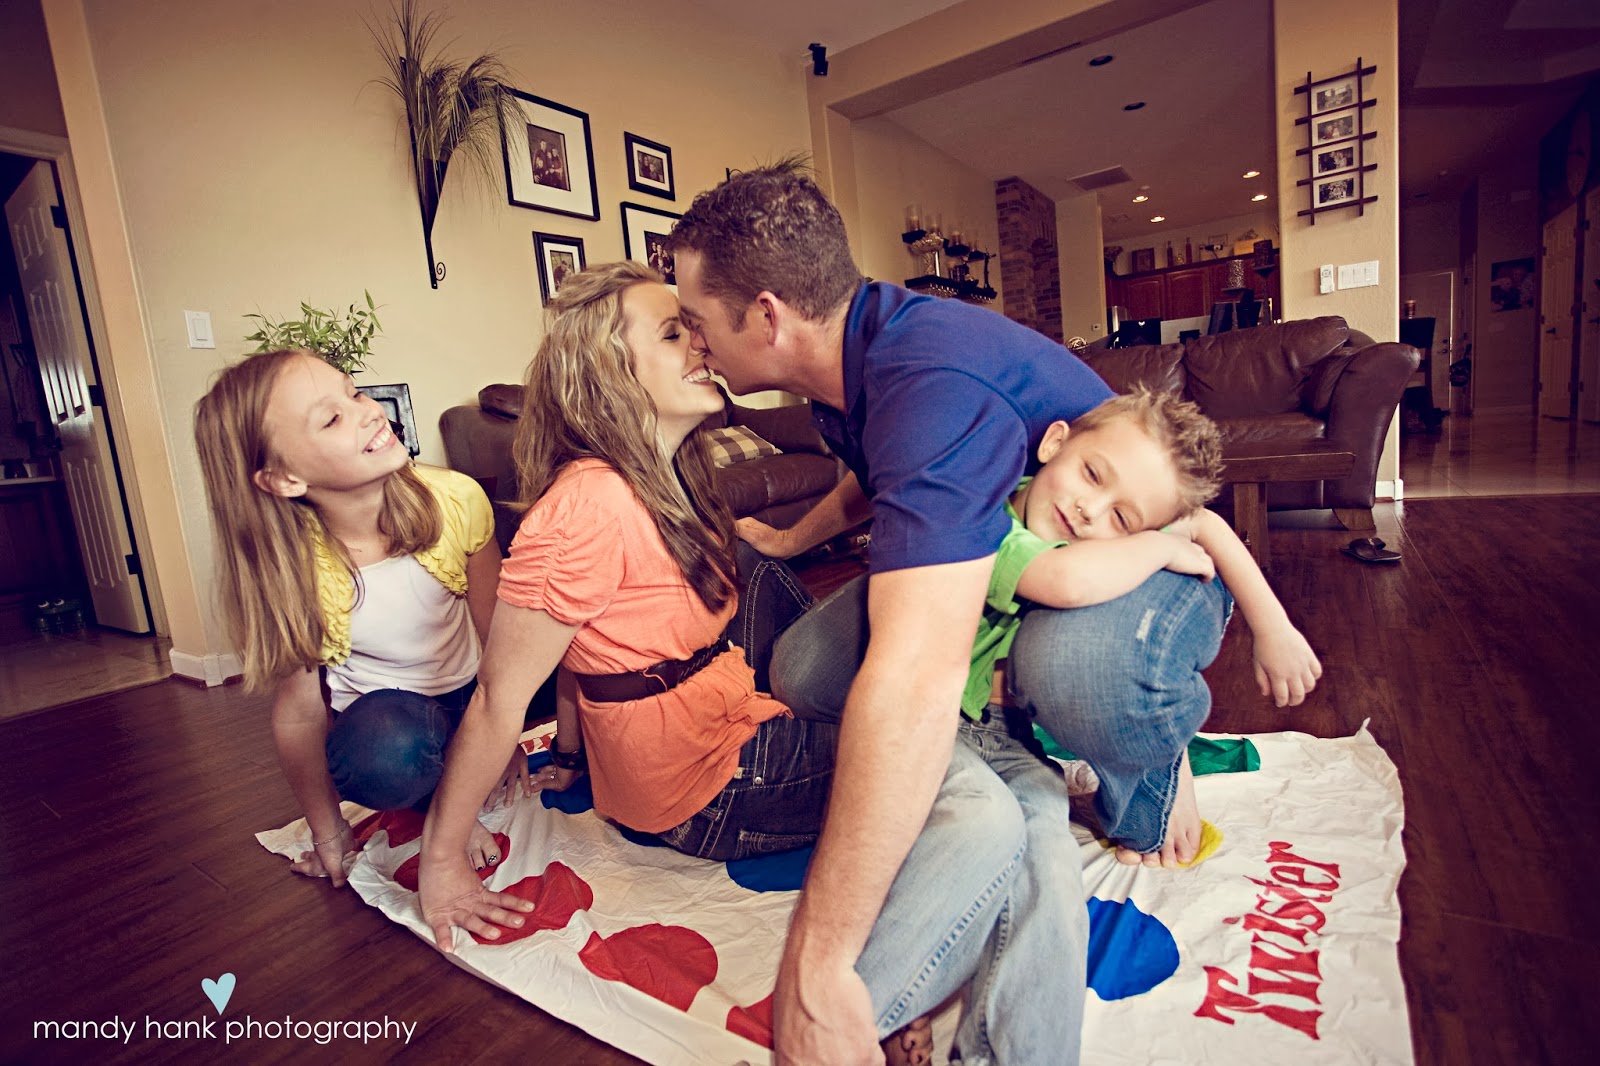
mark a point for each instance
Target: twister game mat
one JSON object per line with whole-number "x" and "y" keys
{"x": 1281, "y": 947}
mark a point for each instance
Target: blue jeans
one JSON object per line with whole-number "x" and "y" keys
{"x": 776, "y": 799}
{"x": 991, "y": 892}
{"x": 1119, "y": 684}
{"x": 386, "y": 749}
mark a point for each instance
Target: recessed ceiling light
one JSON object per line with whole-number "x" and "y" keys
{"x": 1159, "y": 218}
{"x": 1100, "y": 61}
{"x": 1136, "y": 105}
{"x": 1252, "y": 173}
{"x": 1258, "y": 196}
{"x": 1141, "y": 198}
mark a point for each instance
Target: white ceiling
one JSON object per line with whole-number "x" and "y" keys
{"x": 1477, "y": 78}
{"x": 1205, "y": 78}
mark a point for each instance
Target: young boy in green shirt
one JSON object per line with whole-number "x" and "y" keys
{"x": 1119, "y": 498}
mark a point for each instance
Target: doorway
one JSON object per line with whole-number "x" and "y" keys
{"x": 75, "y": 615}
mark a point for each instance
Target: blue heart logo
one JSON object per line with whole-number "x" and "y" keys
{"x": 219, "y": 991}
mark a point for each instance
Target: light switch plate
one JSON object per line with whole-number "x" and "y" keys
{"x": 199, "y": 326}
{"x": 1358, "y": 275}
{"x": 1325, "y": 279}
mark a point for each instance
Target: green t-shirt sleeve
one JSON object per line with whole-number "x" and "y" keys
{"x": 1020, "y": 547}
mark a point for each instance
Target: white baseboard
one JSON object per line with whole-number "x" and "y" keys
{"x": 213, "y": 670}
{"x": 1390, "y": 490}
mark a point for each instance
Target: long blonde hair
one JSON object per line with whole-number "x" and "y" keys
{"x": 265, "y": 543}
{"x": 582, "y": 400}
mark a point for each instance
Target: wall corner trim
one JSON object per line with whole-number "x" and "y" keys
{"x": 213, "y": 670}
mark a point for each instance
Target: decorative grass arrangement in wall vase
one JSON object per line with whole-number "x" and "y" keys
{"x": 452, "y": 107}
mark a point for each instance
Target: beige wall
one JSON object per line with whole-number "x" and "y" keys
{"x": 258, "y": 167}
{"x": 28, "y": 97}
{"x": 1505, "y": 352}
{"x": 895, "y": 168}
{"x": 1083, "y": 269}
{"x": 1326, "y": 40}
{"x": 1430, "y": 237}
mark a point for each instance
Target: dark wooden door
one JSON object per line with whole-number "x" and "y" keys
{"x": 1144, "y": 297}
{"x": 1188, "y": 293}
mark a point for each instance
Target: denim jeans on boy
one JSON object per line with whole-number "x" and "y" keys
{"x": 386, "y": 749}
{"x": 992, "y": 890}
{"x": 1119, "y": 684}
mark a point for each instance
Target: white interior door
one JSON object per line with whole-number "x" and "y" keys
{"x": 1435, "y": 294}
{"x": 1555, "y": 314}
{"x": 62, "y": 347}
{"x": 1589, "y": 316}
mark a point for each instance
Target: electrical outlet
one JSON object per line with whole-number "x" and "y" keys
{"x": 1325, "y": 279}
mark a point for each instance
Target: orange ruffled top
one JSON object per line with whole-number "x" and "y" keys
{"x": 589, "y": 555}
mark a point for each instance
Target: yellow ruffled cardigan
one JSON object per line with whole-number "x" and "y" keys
{"x": 468, "y": 526}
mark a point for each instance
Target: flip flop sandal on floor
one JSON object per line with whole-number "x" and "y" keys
{"x": 1370, "y": 550}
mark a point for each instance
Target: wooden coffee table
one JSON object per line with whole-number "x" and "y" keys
{"x": 1251, "y": 467}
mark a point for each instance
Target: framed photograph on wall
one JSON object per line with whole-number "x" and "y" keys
{"x": 396, "y": 403}
{"x": 1331, "y": 192}
{"x": 649, "y": 166}
{"x": 549, "y": 158}
{"x": 559, "y": 257}
{"x": 1333, "y": 160}
{"x": 1332, "y": 95}
{"x": 1142, "y": 259}
{"x": 1333, "y": 128}
{"x": 644, "y": 237}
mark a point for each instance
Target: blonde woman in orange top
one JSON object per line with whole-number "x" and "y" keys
{"x": 623, "y": 571}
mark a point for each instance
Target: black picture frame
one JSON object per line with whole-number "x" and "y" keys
{"x": 644, "y": 230}
{"x": 558, "y": 257}
{"x": 396, "y": 402}
{"x": 649, "y": 166}
{"x": 547, "y": 168}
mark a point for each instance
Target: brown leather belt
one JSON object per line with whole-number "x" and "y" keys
{"x": 637, "y": 684}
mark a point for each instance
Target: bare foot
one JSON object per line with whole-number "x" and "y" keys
{"x": 482, "y": 850}
{"x": 911, "y": 1046}
{"x": 1183, "y": 828}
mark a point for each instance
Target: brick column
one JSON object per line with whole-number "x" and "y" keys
{"x": 1030, "y": 268}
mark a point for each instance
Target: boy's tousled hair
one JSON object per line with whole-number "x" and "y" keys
{"x": 582, "y": 400}
{"x": 770, "y": 229}
{"x": 1190, "y": 438}
{"x": 266, "y": 566}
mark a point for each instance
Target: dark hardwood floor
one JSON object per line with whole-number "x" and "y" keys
{"x": 128, "y": 871}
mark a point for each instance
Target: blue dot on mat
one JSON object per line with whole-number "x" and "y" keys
{"x": 1130, "y": 952}
{"x": 577, "y": 798}
{"x": 784, "y": 871}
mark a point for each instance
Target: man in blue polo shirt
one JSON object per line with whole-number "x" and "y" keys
{"x": 947, "y": 856}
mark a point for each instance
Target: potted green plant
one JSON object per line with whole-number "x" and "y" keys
{"x": 344, "y": 340}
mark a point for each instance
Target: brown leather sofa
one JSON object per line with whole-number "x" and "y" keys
{"x": 776, "y": 489}
{"x": 1289, "y": 381}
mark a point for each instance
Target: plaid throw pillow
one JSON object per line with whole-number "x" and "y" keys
{"x": 735, "y": 444}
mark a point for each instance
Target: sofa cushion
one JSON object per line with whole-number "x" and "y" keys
{"x": 737, "y": 444}
{"x": 1258, "y": 371}
{"x": 501, "y": 400}
{"x": 752, "y": 487}
{"x": 1158, "y": 367}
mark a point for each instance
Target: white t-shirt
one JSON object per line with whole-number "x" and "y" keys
{"x": 407, "y": 631}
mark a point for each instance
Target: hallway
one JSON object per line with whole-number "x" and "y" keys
{"x": 1508, "y": 454}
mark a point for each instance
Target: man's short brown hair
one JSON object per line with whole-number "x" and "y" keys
{"x": 770, "y": 229}
{"x": 1180, "y": 428}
